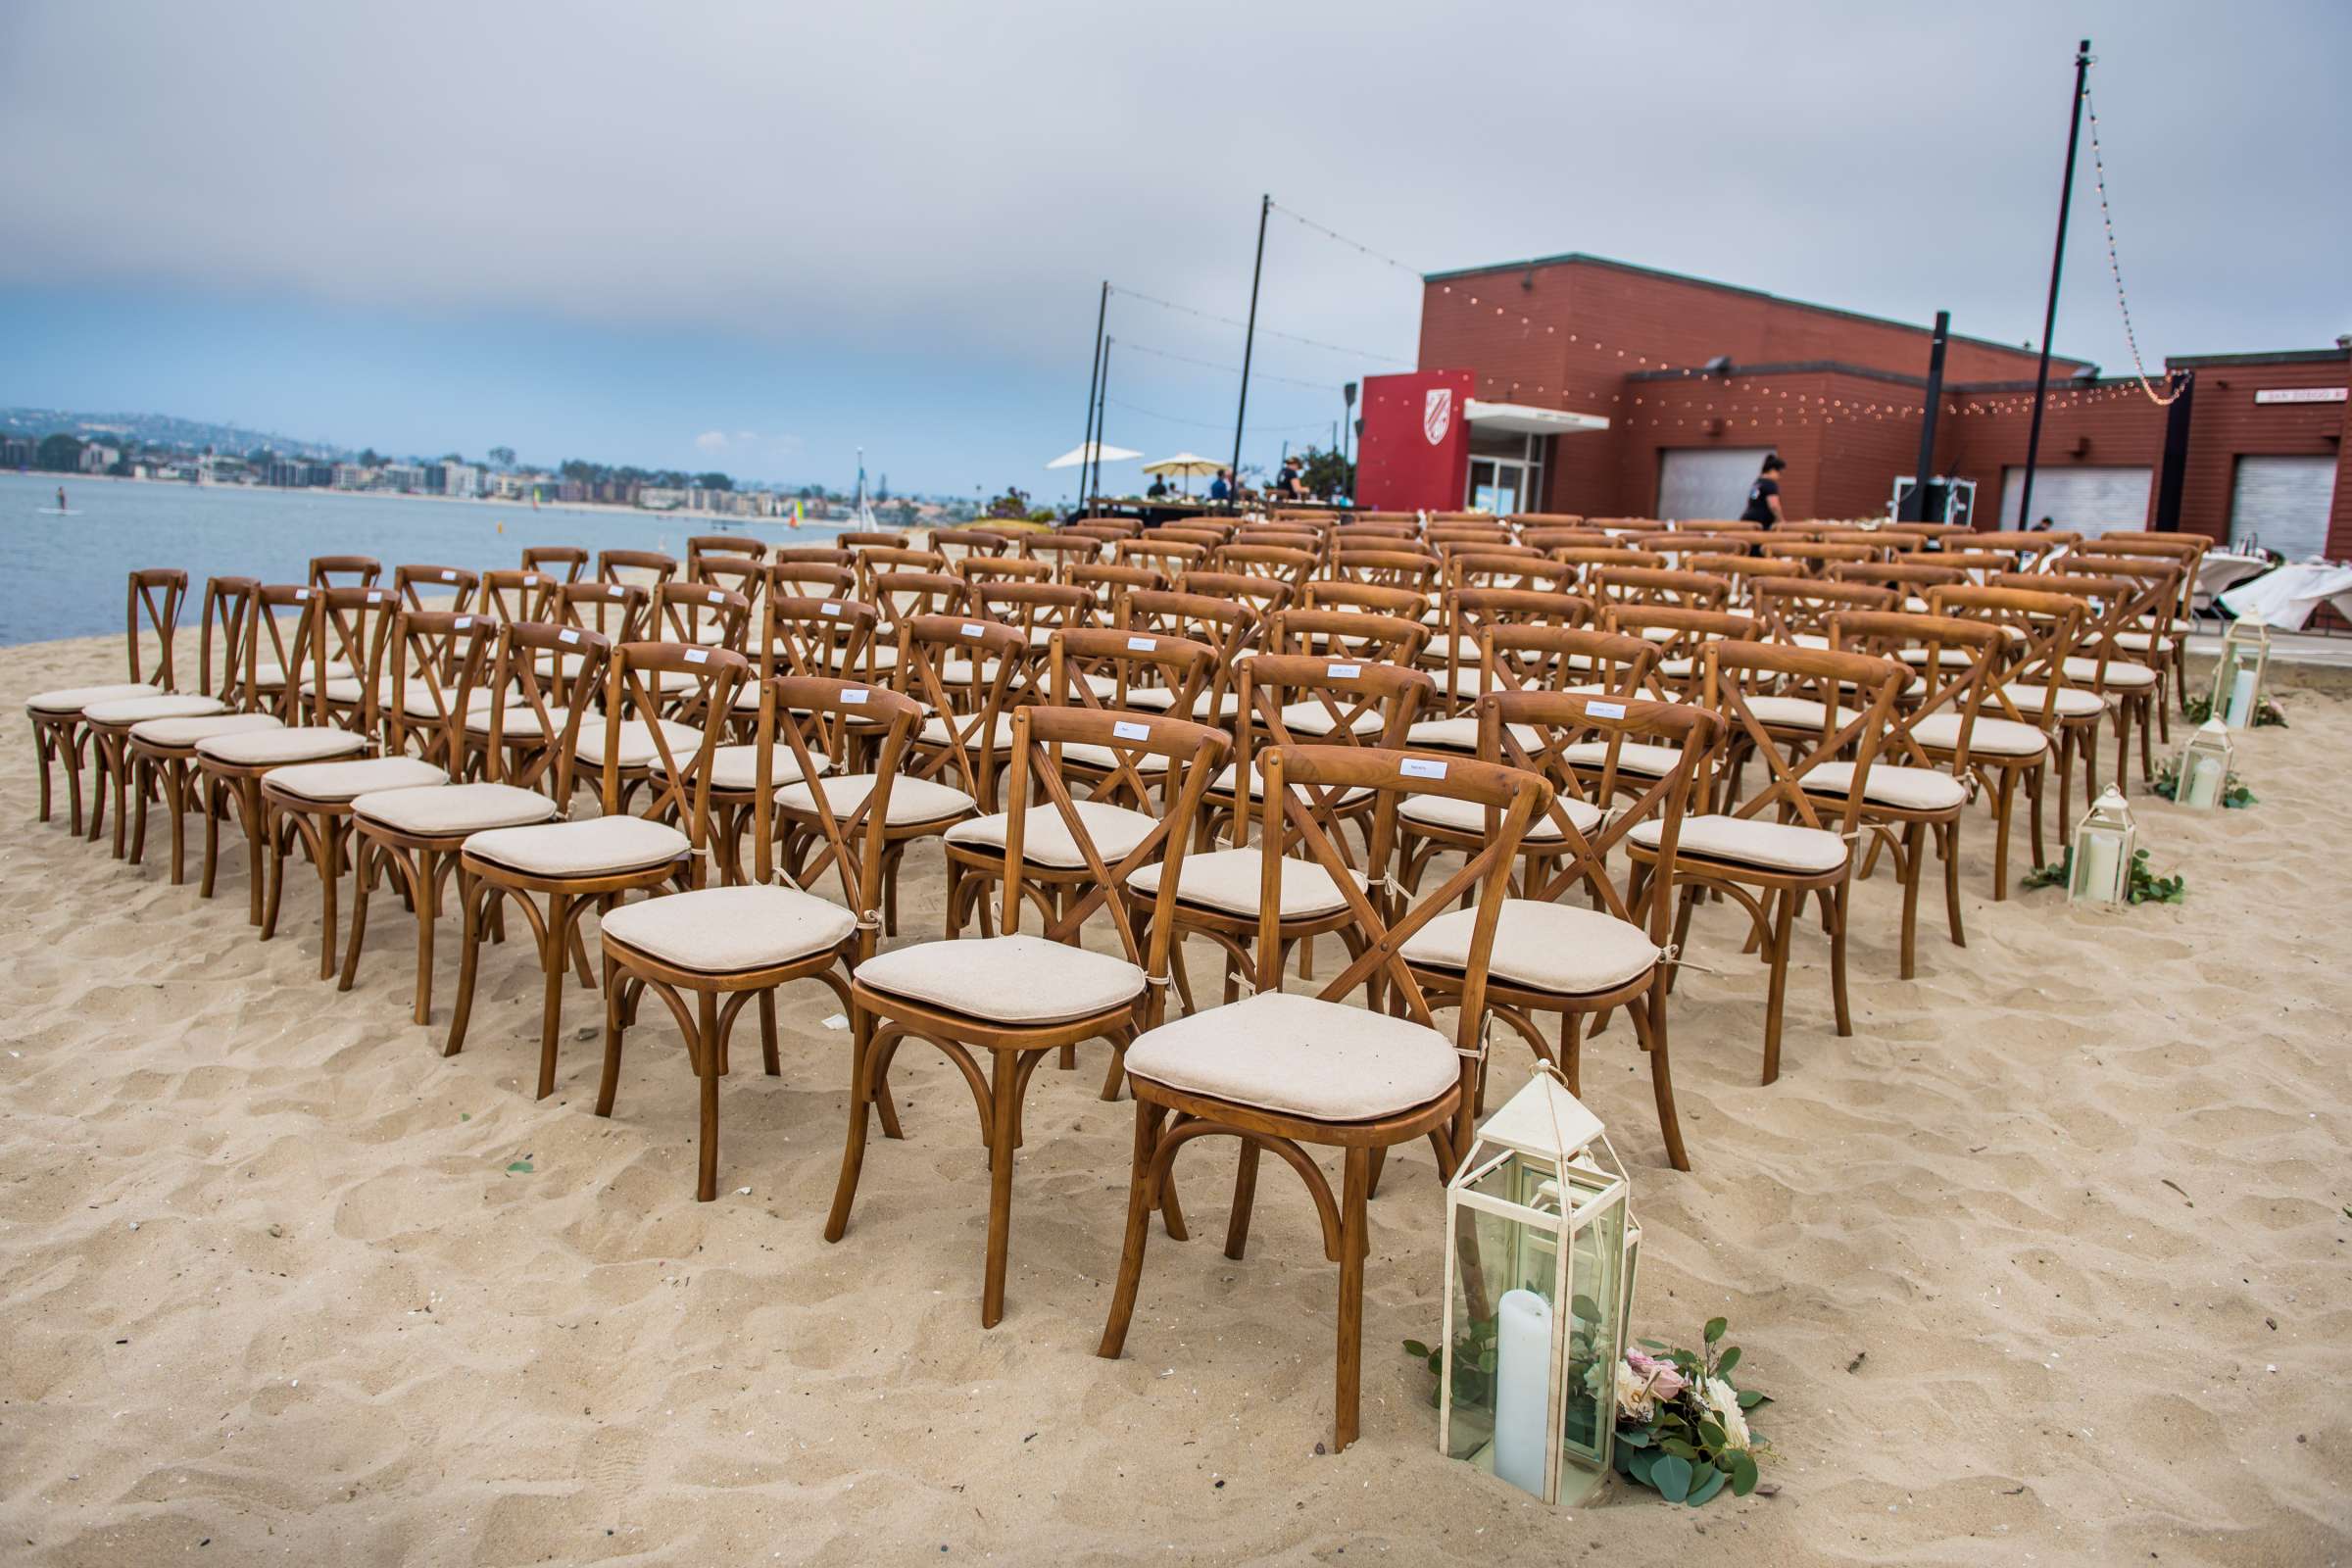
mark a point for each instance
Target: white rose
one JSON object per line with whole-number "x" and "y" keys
{"x": 1723, "y": 1403}
{"x": 1634, "y": 1398}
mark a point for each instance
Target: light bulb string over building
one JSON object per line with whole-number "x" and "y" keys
{"x": 2115, "y": 266}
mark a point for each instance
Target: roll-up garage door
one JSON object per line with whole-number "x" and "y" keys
{"x": 1707, "y": 482}
{"x": 2084, "y": 500}
{"x": 2284, "y": 503}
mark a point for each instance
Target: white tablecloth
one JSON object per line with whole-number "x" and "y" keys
{"x": 2220, "y": 572}
{"x": 2289, "y": 597}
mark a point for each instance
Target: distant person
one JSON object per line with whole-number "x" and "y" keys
{"x": 2044, "y": 525}
{"x": 1764, "y": 496}
{"x": 1293, "y": 479}
{"x": 1159, "y": 486}
{"x": 1221, "y": 487}
{"x": 61, "y": 498}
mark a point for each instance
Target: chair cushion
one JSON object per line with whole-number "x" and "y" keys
{"x": 1459, "y": 734}
{"x": 2139, "y": 642}
{"x": 520, "y": 722}
{"x": 958, "y": 671}
{"x": 1991, "y": 737}
{"x": 269, "y": 676}
{"x": 737, "y": 767}
{"x": 1772, "y": 846}
{"x": 1913, "y": 789}
{"x": 1015, "y": 979}
{"x": 344, "y": 781}
{"x": 1223, "y": 783}
{"x": 1561, "y": 948}
{"x": 1087, "y": 753}
{"x": 1046, "y": 838}
{"x": 1468, "y": 817}
{"x": 1228, "y": 880}
{"x": 911, "y": 800}
{"x": 1300, "y": 1056}
{"x": 132, "y": 710}
{"x": 719, "y": 930}
{"x": 2119, "y": 673}
{"x": 1160, "y": 700}
{"x": 1633, "y": 757}
{"x": 2072, "y": 702}
{"x": 590, "y": 848}
{"x": 302, "y": 743}
{"x": 74, "y": 699}
{"x": 1805, "y": 712}
{"x": 453, "y": 809}
{"x": 934, "y": 730}
{"x": 1314, "y": 718}
{"x": 179, "y": 732}
{"x": 637, "y": 748}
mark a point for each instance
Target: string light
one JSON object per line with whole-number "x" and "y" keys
{"x": 2115, "y": 266}
{"x": 1264, "y": 331}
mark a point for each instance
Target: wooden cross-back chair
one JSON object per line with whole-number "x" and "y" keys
{"x": 703, "y": 612}
{"x": 1552, "y": 955}
{"x": 959, "y": 545}
{"x": 2098, "y": 669}
{"x": 1283, "y": 563}
{"x": 964, "y": 671}
{"x": 228, "y": 604}
{"x": 1227, "y": 625}
{"x": 811, "y": 579}
{"x": 1796, "y": 610}
{"x": 873, "y": 539}
{"x": 1652, "y": 585}
{"x": 1090, "y": 670}
{"x": 742, "y": 942}
{"x": 1458, "y": 654}
{"x": 1064, "y": 549}
{"x": 414, "y": 581}
{"x": 704, "y": 548}
{"x": 2165, "y": 638}
{"x": 740, "y": 575}
{"x": 355, "y": 627}
{"x": 1779, "y": 846}
{"x": 1912, "y": 796}
{"x": 518, "y": 594}
{"x": 1038, "y": 611}
{"x": 1523, "y": 656}
{"x": 161, "y": 751}
{"x": 60, "y": 734}
{"x": 900, "y": 596}
{"x": 1110, "y": 583}
{"x": 2135, "y": 632}
{"x": 1679, "y": 636}
{"x": 1263, "y": 595}
{"x": 594, "y": 863}
{"x": 1284, "y": 1073}
{"x": 619, "y": 611}
{"x": 1019, "y": 998}
{"x": 413, "y": 835}
{"x": 610, "y": 563}
{"x": 569, "y": 563}
{"x": 344, "y": 571}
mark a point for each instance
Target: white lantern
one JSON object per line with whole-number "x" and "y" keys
{"x": 1542, "y": 1247}
{"x": 2105, "y": 840}
{"x": 2205, "y": 758}
{"x": 2238, "y": 672}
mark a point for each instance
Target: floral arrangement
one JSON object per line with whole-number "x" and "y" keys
{"x": 2235, "y": 794}
{"x": 1682, "y": 1423}
{"x": 2267, "y": 713}
{"x": 2145, "y": 886}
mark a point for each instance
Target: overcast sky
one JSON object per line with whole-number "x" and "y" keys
{"x": 755, "y": 236}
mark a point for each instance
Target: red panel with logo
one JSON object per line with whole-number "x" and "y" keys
{"x": 1415, "y": 453}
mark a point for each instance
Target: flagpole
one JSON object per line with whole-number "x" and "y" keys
{"x": 1265, "y": 205}
{"x": 1092, "y": 376}
{"x": 2049, "y": 316}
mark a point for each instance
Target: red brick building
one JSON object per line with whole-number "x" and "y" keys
{"x": 1697, "y": 380}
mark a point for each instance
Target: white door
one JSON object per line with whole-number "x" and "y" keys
{"x": 2086, "y": 501}
{"x": 1707, "y": 483}
{"x": 1498, "y": 485}
{"x": 2282, "y": 502}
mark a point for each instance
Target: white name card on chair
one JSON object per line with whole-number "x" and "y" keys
{"x": 1344, "y": 671}
{"x": 972, "y": 629}
{"x": 1605, "y": 709}
{"x": 828, "y": 609}
{"x": 1420, "y": 768}
{"x": 853, "y": 696}
{"x": 567, "y": 635}
{"x": 698, "y": 655}
{"x": 446, "y": 575}
{"x": 1128, "y": 731}
{"x": 1142, "y": 645}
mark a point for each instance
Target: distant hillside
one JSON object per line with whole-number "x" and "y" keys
{"x": 165, "y": 429}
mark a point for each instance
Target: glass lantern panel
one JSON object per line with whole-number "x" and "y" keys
{"x": 1491, "y": 1257}
{"x": 1595, "y": 1328}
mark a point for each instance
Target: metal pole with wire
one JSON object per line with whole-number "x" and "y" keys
{"x": 1265, "y": 205}
{"x": 1094, "y": 376}
{"x": 2050, "y": 317}
{"x": 1101, "y": 418}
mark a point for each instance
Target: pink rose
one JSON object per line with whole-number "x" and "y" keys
{"x": 1658, "y": 1375}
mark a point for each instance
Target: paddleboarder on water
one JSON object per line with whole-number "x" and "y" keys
{"x": 60, "y": 499}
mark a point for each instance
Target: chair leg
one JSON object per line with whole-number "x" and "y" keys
{"x": 471, "y": 899}
{"x": 1244, "y": 1194}
{"x": 2004, "y": 808}
{"x": 1948, "y": 844}
{"x": 249, "y": 810}
{"x": 553, "y": 960}
{"x": 1349, "y": 1388}
{"x": 705, "y": 1184}
{"x": 330, "y": 873}
{"x": 767, "y": 1035}
{"x": 363, "y": 855}
{"x": 1005, "y": 1086}
{"x": 1777, "y": 954}
{"x": 142, "y": 782}
{"x": 1913, "y": 869}
{"x": 1140, "y": 1204}
{"x": 274, "y": 831}
{"x": 1649, "y": 1023}
{"x": 608, "y": 1082}
{"x": 175, "y": 800}
{"x": 428, "y": 915}
{"x": 1836, "y": 908}
{"x": 40, "y": 750}
{"x": 861, "y": 1089}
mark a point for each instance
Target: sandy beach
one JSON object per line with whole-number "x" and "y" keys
{"x": 2047, "y": 1263}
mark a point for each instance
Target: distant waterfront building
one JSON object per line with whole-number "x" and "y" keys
{"x": 404, "y": 476}
{"x": 459, "y": 479}
{"x": 15, "y": 451}
{"x": 351, "y": 476}
{"x": 96, "y": 458}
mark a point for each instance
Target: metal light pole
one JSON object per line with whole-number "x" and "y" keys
{"x": 2050, "y": 317}
{"x": 1265, "y": 205}
{"x": 1101, "y": 416}
{"x": 1094, "y": 375}
{"x": 1913, "y": 505}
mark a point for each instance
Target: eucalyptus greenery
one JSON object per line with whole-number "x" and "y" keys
{"x": 2235, "y": 794}
{"x": 2145, "y": 886}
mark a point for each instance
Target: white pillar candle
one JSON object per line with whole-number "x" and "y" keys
{"x": 2204, "y": 783}
{"x": 2241, "y": 710}
{"x": 1522, "y": 1389}
{"x": 2098, "y": 880}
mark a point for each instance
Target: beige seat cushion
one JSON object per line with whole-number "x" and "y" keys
{"x": 1464, "y": 681}
{"x": 876, "y": 656}
{"x": 1913, "y": 789}
{"x": 637, "y": 748}
{"x": 453, "y": 810}
{"x": 958, "y": 671}
{"x": 911, "y": 800}
{"x": 599, "y": 846}
{"x": 181, "y": 732}
{"x": 1302, "y": 1058}
{"x": 1469, "y": 816}
{"x": 1949, "y": 657}
{"x": 1561, "y": 948}
{"x": 1459, "y": 734}
{"x": 132, "y": 709}
{"x": 1016, "y": 979}
{"x": 1803, "y": 712}
{"x": 720, "y": 930}
{"x": 520, "y": 722}
{"x": 1228, "y": 880}
{"x": 737, "y": 767}
{"x": 1314, "y": 718}
{"x": 269, "y": 675}
{"x": 2139, "y": 642}
{"x": 344, "y": 781}
{"x": 2120, "y": 673}
{"x": 1161, "y": 700}
{"x": 934, "y": 731}
{"x": 1770, "y": 846}
{"x": 304, "y": 743}
{"x": 1633, "y": 757}
{"x": 1088, "y": 754}
{"x": 1991, "y": 737}
{"x": 1223, "y": 784}
{"x": 1046, "y": 838}
{"x": 74, "y": 699}
{"x": 2072, "y": 702}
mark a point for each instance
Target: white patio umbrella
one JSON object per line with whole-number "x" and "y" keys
{"x": 1090, "y": 452}
{"x": 1186, "y": 464}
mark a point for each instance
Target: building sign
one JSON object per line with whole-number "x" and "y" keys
{"x": 1437, "y": 414}
{"x": 2300, "y": 394}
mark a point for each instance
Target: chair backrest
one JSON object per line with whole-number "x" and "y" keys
{"x": 1789, "y": 608}
{"x": 438, "y": 660}
{"x": 1104, "y": 667}
{"x": 737, "y": 574}
{"x": 1378, "y": 599}
{"x": 818, "y": 718}
{"x": 1953, "y": 660}
{"x": 813, "y": 580}
{"x": 618, "y": 611}
{"x": 1543, "y": 658}
{"x": 1654, "y": 585}
{"x": 535, "y": 752}
{"x": 1737, "y": 670}
{"x": 1815, "y": 553}
{"x": 1913, "y": 575}
{"x": 568, "y": 561}
{"x": 1387, "y": 920}
{"x": 1679, "y": 635}
{"x": 1015, "y": 569}
{"x": 229, "y": 601}
{"x": 1064, "y": 548}
{"x": 1544, "y": 733}
{"x": 875, "y": 560}
{"x": 352, "y": 627}
{"x": 822, "y": 555}
{"x": 1037, "y": 610}
{"x": 1359, "y": 704}
{"x": 297, "y": 658}
{"x": 517, "y": 594}
{"x": 959, "y": 545}
{"x": 1171, "y": 557}
{"x": 1585, "y": 560}
{"x": 705, "y": 547}
{"x": 2039, "y": 632}
{"x": 1410, "y": 571}
{"x": 1351, "y": 633}
{"x": 410, "y": 582}
{"x": 901, "y": 596}
{"x": 873, "y": 540}
{"x": 610, "y": 564}
{"x": 701, "y": 612}
{"x": 1282, "y": 563}
{"x": 2107, "y": 611}
{"x": 153, "y": 604}
{"x": 1530, "y": 570}
{"x": 1265, "y": 595}
{"x": 830, "y": 639}
{"x": 968, "y": 711}
{"x": 1191, "y": 755}
{"x": 680, "y": 777}
{"x": 346, "y": 571}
